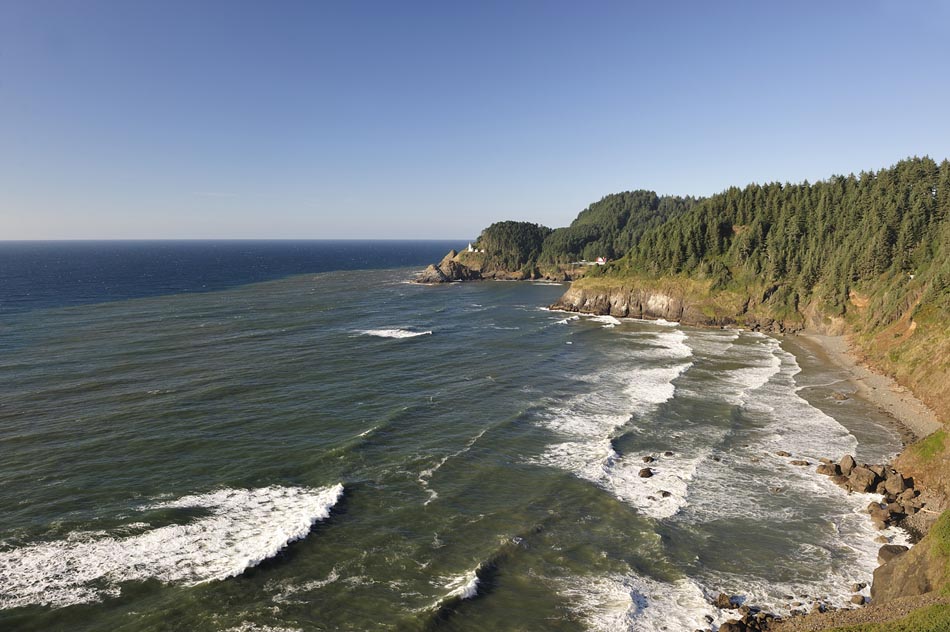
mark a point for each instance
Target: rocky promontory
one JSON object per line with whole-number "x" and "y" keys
{"x": 448, "y": 270}
{"x": 475, "y": 266}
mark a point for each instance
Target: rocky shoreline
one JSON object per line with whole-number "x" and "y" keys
{"x": 902, "y": 578}
{"x": 900, "y": 500}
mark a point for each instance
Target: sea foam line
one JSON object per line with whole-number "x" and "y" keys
{"x": 394, "y": 333}
{"x": 243, "y": 528}
{"x": 588, "y": 422}
{"x": 426, "y": 475}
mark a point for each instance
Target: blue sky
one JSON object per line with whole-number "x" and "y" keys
{"x": 134, "y": 119}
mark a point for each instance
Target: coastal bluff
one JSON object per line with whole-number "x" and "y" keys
{"x": 686, "y": 303}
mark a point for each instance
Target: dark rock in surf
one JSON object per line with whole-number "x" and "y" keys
{"x": 724, "y": 602}
{"x": 648, "y": 459}
{"x": 847, "y": 464}
{"x": 800, "y": 463}
{"x": 646, "y": 473}
{"x": 862, "y": 480}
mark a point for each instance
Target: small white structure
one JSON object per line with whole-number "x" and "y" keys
{"x": 601, "y": 261}
{"x": 470, "y": 249}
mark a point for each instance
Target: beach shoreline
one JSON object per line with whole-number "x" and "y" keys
{"x": 911, "y": 416}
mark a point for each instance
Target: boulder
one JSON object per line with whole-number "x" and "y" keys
{"x": 894, "y": 483}
{"x": 838, "y": 396}
{"x": 668, "y": 453}
{"x": 724, "y": 602}
{"x": 733, "y": 625}
{"x": 858, "y": 587}
{"x": 646, "y": 473}
{"x": 431, "y": 274}
{"x": 907, "y": 494}
{"x": 828, "y": 469}
{"x": 800, "y": 463}
{"x": 783, "y": 453}
{"x": 858, "y": 600}
{"x": 889, "y": 551}
{"x": 879, "y": 513}
{"x": 847, "y": 464}
{"x": 648, "y": 459}
{"x": 877, "y": 469}
{"x": 665, "y": 494}
{"x": 862, "y": 480}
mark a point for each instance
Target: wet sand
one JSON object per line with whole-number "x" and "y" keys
{"x": 898, "y": 402}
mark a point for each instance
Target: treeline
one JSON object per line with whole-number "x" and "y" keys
{"x": 608, "y": 228}
{"x": 887, "y": 232}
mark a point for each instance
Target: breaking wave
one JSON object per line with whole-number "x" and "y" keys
{"x": 394, "y": 333}
{"x": 242, "y": 528}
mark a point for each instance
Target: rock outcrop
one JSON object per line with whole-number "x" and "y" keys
{"x": 621, "y": 301}
{"x": 907, "y": 573}
{"x": 448, "y": 270}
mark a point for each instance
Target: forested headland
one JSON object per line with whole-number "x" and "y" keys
{"x": 864, "y": 254}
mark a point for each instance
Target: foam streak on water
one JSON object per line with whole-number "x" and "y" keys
{"x": 623, "y": 391}
{"x": 245, "y": 527}
{"x": 395, "y": 333}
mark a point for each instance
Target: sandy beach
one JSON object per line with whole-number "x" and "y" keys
{"x": 911, "y": 414}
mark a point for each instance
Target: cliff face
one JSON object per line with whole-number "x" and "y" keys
{"x": 689, "y": 305}
{"x": 923, "y": 569}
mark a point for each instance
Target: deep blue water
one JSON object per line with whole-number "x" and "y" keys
{"x": 38, "y": 274}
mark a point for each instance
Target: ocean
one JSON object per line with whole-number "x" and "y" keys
{"x": 284, "y": 436}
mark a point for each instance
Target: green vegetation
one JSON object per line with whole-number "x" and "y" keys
{"x": 511, "y": 245}
{"x": 885, "y": 233}
{"x": 611, "y": 227}
{"x": 935, "y": 618}
{"x": 869, "y": 252}
{"x": 930, "y": 447}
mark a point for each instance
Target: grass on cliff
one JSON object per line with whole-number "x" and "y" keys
{"x": 934, "y": 618}
{"x": 929, "y": 448}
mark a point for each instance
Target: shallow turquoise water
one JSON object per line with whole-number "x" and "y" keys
{"x": 162, "y": 460}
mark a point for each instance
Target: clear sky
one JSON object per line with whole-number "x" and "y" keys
{"x": 200, "y": 119}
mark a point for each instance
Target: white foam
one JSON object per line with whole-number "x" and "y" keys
{"x": 636, "y": 604}
{"x": 567, "y": 320}
{"x": 248, "y": 626}
{"x": 607, "y": 320}
{"x": 750, "y": 482}
{"x": 394, "y": 333}
{"x": 632, "y": 383}
{"x": 284, "y": 591}
{"x": 243, "y": 527}
{"x": 463, "y": 586}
